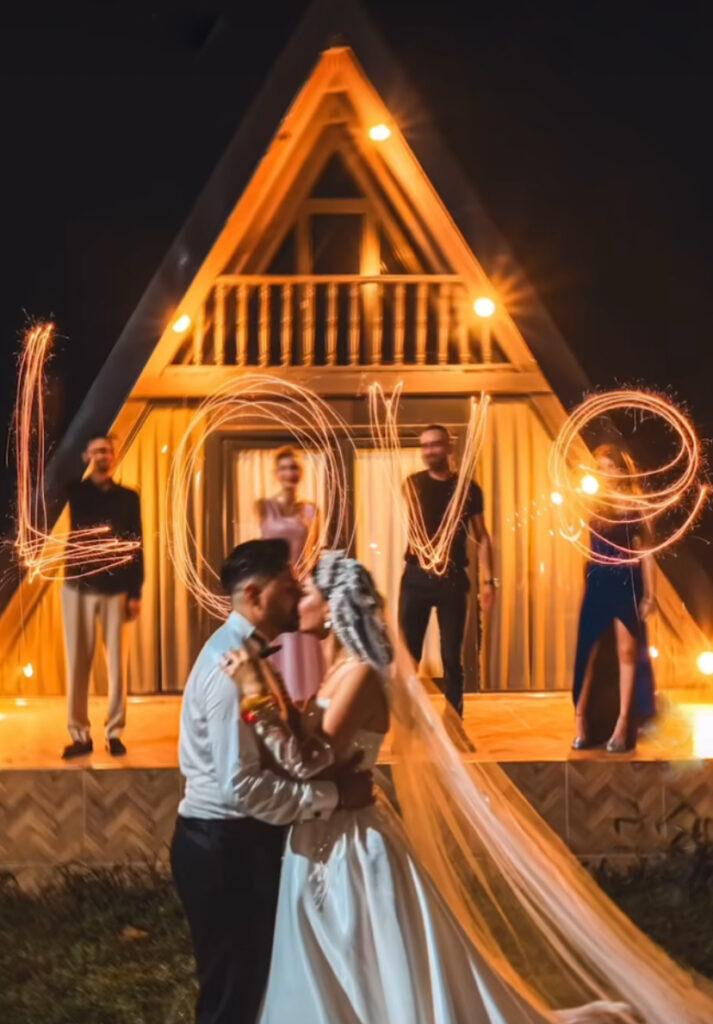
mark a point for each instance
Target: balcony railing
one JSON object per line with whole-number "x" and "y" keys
{"x": 337, "y": 320}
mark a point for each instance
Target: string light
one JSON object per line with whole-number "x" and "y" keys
{"x": 258, "y": 398}
{"x": 484, "y": 307}
{"x": 181, "y": 325}
{"x": 48, "y": 555}
{"x": 379, "y": 133}
{"x": 639, "y": 499}
{"x": 432, "y": 552}
{"x": 705, "y": 663}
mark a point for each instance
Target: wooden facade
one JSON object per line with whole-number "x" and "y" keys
{"x": 339, "y": 263}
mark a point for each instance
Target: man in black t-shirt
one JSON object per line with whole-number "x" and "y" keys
{"x": 447, "y": 592}
{"x": 110, "y": 596}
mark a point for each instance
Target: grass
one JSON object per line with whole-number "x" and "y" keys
{"x": 67, "y": 958}
{"x": 112, "y": 947}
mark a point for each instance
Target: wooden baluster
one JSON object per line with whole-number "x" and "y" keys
{"x": 219, "y": 332}
{"x": 286, "y": 331}
{"x": 443, "y": 325}
{"x": 241, "y": 339}
{"x": 354, "y": 324}
{"x": 461, "y": 326}
{"x": 308, "y": 325}
{"x": 377, "y": 351}
{"x": 198, "y": 335}
{"x": 421, "y": 323}
{"x": 399, "y": 324}
{"x": 331, "y": 324}
{"x": 486, "y": 342}
{"x": 264, "y": 326}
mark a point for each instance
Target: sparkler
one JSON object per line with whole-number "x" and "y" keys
{"x": 49, "y": 555}
{"x": 311, "y": 422}
{"x": 639, "y": 499}
{"x": 433, "y": 553}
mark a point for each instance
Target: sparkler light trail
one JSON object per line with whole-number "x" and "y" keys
{"x": 591, "y": 497}
{"x": 44, "y": 554}
{"x": 432, "y": 553}
{"x": 265, "y": 399}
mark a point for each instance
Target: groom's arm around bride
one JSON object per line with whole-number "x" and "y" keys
{"x": 227, "y": 848}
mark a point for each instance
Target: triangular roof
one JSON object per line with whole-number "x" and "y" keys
{"x": 327, "y": 24}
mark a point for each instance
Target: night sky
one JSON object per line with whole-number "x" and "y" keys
{"x": 585, "y": 127}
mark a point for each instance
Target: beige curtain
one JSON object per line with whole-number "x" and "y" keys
{"x": 381, "y": 536}
{"x": 530, "y": 642}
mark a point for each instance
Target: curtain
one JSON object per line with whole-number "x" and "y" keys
{"x": 381, "y": 536}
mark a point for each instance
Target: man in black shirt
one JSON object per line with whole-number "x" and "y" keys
{"x": 110, "y": 595}
{"x": 446, "y": 591}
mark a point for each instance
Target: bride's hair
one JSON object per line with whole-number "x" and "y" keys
{"x": 356, "y": 607}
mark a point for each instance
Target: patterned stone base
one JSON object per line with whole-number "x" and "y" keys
{"x": 95, "y": 818}
{"x": 103, "y": 812}
{"x": 602, "y": 809}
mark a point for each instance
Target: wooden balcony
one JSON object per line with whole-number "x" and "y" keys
{"x": 338, "y": 321}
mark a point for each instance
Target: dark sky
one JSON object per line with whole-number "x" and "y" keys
{"x": 584, "y": 126}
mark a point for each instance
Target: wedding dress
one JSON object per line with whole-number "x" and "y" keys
{"x": 363, "y": 937}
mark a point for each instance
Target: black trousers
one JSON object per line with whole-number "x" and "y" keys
{"x": 421, "y": 592}
{"x": 228, "y": 875}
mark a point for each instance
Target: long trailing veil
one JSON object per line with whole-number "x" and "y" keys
{"x": 520, "y": 895}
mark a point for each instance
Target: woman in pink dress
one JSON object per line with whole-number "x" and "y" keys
{"x": 300, "y": 662}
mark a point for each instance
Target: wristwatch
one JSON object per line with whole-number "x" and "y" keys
{"x": 491, "y": 583}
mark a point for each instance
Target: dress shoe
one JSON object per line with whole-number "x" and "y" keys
{"x": 79, "y": 748}
{"x": 115, "y": 747}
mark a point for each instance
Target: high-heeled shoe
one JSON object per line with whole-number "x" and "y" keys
{"x": 615, "y": 746}
{"x": 580, "y": 742}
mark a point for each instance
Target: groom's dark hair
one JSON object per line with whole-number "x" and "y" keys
{"x": 255, "y": 559}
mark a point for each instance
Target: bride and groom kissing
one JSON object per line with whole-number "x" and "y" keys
{"x": 305, "y": 898}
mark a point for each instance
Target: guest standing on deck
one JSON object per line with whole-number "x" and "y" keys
{"x": 112, "y": 597}
{"x": 300, "y": 661}
{"x": 621, "y": 596}
{"x": 447, "y": 593}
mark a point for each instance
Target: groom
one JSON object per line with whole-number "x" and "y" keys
{"x": 227, "y": 848}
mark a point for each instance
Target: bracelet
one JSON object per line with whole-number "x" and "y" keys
{"x": 490, "y": 583}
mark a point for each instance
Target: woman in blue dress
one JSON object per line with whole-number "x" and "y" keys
{"x": 618, "y": 596}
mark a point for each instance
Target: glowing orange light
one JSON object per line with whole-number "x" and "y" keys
{"x": 379, "y": 132}
{"x": 638, "y": 498}
{"x": 50, "y": 555}
{"x": 181, "y": 325}
{"x": 312, "y": 423}
{"x": 28, "y": 670}
{"x": 433, "y": 553}
{"x": 556, "y": 498}
{"x": 484, "y": 307}
{"x": 702, "y": 731}
{"x": 705, "y": 663}
{"x": 653, "y": 651}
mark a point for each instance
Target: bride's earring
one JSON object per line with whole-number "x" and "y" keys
{"x": 328, "y": 625}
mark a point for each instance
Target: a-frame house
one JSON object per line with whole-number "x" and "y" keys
{"x": 323, "y": 252}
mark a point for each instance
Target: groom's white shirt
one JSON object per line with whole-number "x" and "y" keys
{"x": 220, "y": 755}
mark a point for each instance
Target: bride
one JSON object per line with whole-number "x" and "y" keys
{"x": 461, "y": 909}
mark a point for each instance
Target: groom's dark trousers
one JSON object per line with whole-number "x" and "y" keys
{"x": 228, "y": 877}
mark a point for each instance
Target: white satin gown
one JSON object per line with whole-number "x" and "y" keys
{"x": 363, "y": 937}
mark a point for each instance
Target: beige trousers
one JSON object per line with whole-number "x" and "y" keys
{"x": 82, "y": 611}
